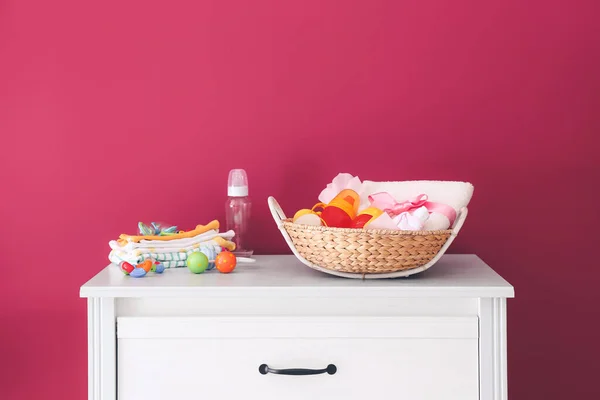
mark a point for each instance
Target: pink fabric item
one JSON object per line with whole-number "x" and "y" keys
{"x": 340, "y": 182}
{"x": 408, "y": 222}
{"x": 384, "y": 201}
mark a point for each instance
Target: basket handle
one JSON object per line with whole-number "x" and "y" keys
{"x": 462, "y": 215}
{"x": 276, "y": 211}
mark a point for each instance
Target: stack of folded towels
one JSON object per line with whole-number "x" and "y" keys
{"x": 172, "y": 250}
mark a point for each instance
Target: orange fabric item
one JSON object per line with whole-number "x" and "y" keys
{"x": 224, "y": 243}
{"x": 123, "y": 238}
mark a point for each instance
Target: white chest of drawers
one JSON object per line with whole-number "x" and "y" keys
{"x": 279, "y": 330}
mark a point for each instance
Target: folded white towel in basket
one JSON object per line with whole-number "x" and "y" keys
{"x": 455, "y": 194}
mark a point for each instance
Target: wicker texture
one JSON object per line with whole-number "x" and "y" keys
{"x": 364, "y": 251}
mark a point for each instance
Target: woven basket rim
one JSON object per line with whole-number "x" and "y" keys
{"x": 288, "y": 222}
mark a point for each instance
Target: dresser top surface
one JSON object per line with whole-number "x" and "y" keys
{"x": 283, "y": 276}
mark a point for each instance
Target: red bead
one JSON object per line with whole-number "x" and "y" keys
{"x": 126, "y": 267}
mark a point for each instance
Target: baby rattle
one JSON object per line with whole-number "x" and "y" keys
{"x": 142, "y": 268}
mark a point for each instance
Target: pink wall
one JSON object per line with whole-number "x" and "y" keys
{"x": 118, "y": 111}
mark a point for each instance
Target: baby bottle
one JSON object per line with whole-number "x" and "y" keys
{"x": 237, "y": 210}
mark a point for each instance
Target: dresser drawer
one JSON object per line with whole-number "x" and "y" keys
{"x": 414, "y": 358}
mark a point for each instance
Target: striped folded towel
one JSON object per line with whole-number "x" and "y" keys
{"x": 171, "y": 253}
{"x": 168, "y": 259}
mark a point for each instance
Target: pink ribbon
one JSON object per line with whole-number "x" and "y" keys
{"x": 384, "y": 201}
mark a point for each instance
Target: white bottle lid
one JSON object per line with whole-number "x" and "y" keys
{"x": 237, "y": 185}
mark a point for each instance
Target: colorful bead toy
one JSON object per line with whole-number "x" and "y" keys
{"x": 197, "y": 262}
{"x": 225, "y": 262}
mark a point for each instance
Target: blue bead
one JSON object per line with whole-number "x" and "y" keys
{"x": 160, "y": 268}
{"x": 138, "y": 272}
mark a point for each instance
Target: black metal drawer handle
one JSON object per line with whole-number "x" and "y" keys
{"x": 264, "y": 369}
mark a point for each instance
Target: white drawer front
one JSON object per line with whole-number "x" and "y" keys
{"x": 376, "y": 358}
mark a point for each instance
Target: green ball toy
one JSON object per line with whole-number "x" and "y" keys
{"x": 197, "y": 262}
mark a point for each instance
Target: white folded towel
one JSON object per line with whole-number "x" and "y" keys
{"x": 171, "y": 245}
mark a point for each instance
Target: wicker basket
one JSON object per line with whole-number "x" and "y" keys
{"x": 363, "y": 253}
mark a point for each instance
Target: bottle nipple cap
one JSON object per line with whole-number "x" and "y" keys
{"x": 237, "y": 184}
